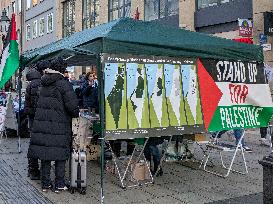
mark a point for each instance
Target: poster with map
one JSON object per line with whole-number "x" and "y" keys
{"x": 151, "y": 96}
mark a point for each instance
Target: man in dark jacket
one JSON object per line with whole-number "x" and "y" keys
{"x": 31, "y": 99}
{"x": 51, "y": 132}
{"x": 32, "y": 94}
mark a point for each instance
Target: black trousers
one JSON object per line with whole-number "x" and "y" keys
{"x": 33, "y": 164}
{"x": 59, "y": 173}
{"x": 263, "y": 132}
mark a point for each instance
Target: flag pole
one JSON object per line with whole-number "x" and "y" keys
{"x": 21, "y": 67}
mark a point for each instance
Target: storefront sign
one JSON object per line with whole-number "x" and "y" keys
{"x": 244, "y": 40}
{"x": 268, "y": 23}
{"x": 266, "y": 47}
{"x": 262, "y": 38}
{"x": 245, "y": 27}
{"x": 231, "y": 95}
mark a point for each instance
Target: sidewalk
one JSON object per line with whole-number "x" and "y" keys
{"x": 179, "y": 184}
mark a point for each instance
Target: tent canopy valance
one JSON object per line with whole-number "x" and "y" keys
{"x": 129, "y": 36}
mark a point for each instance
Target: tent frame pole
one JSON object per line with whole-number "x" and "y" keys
{"x": 102, "y": 119}
{"x": 20, "y": 105}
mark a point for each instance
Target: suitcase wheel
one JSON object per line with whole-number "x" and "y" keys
{"x": 83, "y": 191}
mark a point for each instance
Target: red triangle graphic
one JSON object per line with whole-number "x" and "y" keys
{"x": 209, "y": 92}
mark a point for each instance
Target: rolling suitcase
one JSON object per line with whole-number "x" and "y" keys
{"x": 78, "y": 172}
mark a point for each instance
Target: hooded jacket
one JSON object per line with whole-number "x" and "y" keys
{"x": 32, "y": 92}
{"x": 52, "y": 132}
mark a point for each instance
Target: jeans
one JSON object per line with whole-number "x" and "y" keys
{"x": 152, "y": 151}
{"x": 238, "y": 134}
{"x": 263, "y": 131}
{"x": 59, "y": 173}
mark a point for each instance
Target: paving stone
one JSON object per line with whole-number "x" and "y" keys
{"x": 179, "y": 184}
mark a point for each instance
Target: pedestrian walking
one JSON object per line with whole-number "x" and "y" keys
{"x": 31, "y": 98}
{"x": 52, "y": 131}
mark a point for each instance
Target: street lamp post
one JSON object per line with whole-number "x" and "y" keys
{"x": 4, "y": 26}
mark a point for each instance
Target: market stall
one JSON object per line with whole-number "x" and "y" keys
{"x": 157, "y": 80}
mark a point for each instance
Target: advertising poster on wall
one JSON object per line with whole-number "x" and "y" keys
{"x": 245, "y": 27}
{"x": 151, "y": 96}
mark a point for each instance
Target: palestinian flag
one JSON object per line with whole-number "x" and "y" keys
{"x": 10, "y": 55}
{"x": 234, "y": 95}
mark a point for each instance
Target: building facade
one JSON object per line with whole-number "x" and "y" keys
{"x": 9, "y": 7}
{"x": 39, "y": 23}
{"x": 46, "y": 21}
{"x": 220, "y": 18}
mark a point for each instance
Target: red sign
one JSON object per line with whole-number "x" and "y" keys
{"x": 244, "y": 40}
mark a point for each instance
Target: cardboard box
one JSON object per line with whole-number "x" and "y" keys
{"x": 140, "y": 171}
{"x": 93, "y": 152}
{"x": 196, "y": 137}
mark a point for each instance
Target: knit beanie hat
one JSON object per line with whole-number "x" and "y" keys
{"x": 58, "y": 64}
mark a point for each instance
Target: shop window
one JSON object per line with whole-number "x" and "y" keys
{"x": 50, "y": 23}
{"x": 35, "y": 29}
{"x": 90, "y": 13}
{"x": 118, "y": 9}
{"x": 41, "y": 26}
{"x": 68, "y": 17}
{"x": 28, "y": 33}
{"x": 155, "y": 9}
{"x": 207, "y": 3}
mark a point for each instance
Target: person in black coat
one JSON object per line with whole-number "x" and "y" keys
{"x": 31, "y": 99}
{"x": 89, "y": 92}
{"x": 52, "y": 126}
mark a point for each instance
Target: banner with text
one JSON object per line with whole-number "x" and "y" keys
{"x": 234, "y": 94}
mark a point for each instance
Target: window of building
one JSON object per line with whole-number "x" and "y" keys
{"x": 28, "y": 4}
{"x": 90, "y": 13}
{"x": 41, "y": 26}
{"x": 68, "y": 17}
{"x": 155, "y": 9}
{"x": 28, "y": 33}
{"x": 34, "y": 2}
{"x": 35, "y": 29}
{"x": 49, "y": 23}
{"x": 19, "y": 5}
{"x": 8, "y": 11}
{"x": 118, "y": 9}
{"x": 207, "y": 3}
{"x": 13, "y": 5}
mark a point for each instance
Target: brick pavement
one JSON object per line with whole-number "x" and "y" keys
{"x": 179, "y": 184}
{"x": 14, "y": 189}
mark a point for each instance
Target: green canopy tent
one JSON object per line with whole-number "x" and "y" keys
{"x": 128, "y": 36}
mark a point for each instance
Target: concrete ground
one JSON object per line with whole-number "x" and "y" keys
{"x": 179, "y": 183}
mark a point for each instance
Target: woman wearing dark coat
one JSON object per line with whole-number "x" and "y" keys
{"x": 89, "y": 92}
{"x": 52, "y": 131}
